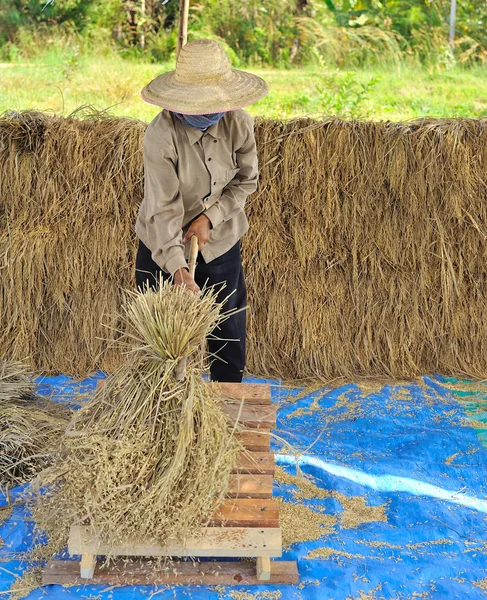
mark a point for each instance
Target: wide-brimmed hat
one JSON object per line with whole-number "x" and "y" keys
{"x": 204, "y": 82}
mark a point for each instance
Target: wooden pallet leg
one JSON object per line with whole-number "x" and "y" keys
{"x": 87, "y": 566}
{"x": 263, "y": 568}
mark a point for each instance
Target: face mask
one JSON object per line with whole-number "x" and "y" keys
{"x": 200, "y": 122}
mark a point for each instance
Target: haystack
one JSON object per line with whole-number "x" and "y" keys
{"x": 148, "y": 458}
{"x": 30, "y": 426}
{"x": 366, "y": 253}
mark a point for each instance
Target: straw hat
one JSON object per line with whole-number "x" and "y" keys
{"x": 204, "y": 82}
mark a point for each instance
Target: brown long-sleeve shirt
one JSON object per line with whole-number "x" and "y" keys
{"x": 188, "y": 172}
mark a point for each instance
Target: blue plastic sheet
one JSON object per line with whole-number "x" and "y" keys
{"x": 409, "y": 448}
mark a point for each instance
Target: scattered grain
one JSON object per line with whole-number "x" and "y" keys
{"x": 326, "y": 552}
{"x": 302, "y": 524}
{"x": 26, "y": 583}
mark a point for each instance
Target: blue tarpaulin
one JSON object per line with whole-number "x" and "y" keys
{"x": 404, "y": 459}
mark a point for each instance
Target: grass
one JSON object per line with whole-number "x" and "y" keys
{"x": 60, "y": 83}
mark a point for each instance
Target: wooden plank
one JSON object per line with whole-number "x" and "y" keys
{"x": 255, "y": 440}
{"x": 87, "y": 566}
{"x": 246, "y": 512}
{"x": 250, "y": 486}
{"x": 255, "y": 462}
{"x": 252, "y": 417}
{"x": 252, "y": 393}
{"x": 143, "y": 572}
{"x": 81, "y": 541}
{"x": 263, "y": 568}
{"x": 225, "y": 542}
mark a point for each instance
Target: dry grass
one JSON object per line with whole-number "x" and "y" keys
{"x": 376, "y": 256}
{"x": 30, "y": 426}
{"x": 150, "y": 457}
{"x": 70, "y": 190}
{"x": 16, "y": 383}
{"x": 366, "y": 253}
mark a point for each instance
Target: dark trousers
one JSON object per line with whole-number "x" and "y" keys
{"x": 228, "y": 353}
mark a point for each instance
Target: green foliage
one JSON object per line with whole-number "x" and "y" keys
{"x": 282, "y": 33}
{"x": 342, "y": 95}
{"x": 367, "y": 32}
{"x": 15, "y": 14}
{"x": 260, "y": 32}
{"x": 351, "y": 46}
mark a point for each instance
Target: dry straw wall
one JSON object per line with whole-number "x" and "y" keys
{"x": 367, "y": 250}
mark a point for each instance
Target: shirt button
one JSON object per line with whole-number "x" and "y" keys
{"x": 214, "y": 141}
{"x": 214, "y": 183}
{"x": 209, "y": 159}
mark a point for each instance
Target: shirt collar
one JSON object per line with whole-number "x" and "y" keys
{"x": 217, "y": 131}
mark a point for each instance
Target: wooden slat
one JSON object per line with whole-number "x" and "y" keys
{"x": 225, "y": 542}
{"x": 263, "y": 568}
{"x": 250, "y": 486}
{"x": 88, "y": 564}
{"x": 255, "y": 440}
{"x": 252, "y": 393}
{"x": 256, "y": 462}
{"x": 252, "y": 417}
{"x": 143, "y": 572}
{"x": 246, "y": 512}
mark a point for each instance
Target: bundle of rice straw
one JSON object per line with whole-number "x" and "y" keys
{"x": 149, "y": 457}
{"x": 30, "y": 426}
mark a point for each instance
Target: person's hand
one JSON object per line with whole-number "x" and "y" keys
{"x": 182, "y": 277}
{"x": 200, "y": 227}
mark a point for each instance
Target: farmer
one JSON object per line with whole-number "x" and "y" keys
{"x": 200, "y": 164}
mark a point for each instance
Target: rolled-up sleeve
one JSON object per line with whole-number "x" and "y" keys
{"x": 232, "y": 199}
{"x": 164, "y": 209}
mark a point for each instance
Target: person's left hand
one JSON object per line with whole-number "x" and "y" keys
{"x": 200, "y": 227}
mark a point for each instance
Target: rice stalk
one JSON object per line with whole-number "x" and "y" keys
{"x": 16, "y": 384}
{"x": 366, "y": 253}
{"x": 148, "y": 458}
{"x": 30, "y": 426}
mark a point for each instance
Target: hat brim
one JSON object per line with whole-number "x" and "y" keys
{"x": 236, "y": 91}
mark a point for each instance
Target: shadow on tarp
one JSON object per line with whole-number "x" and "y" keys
{"x": 409, "y": 448}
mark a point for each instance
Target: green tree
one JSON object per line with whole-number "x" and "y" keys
{"x": 262, "y": 32}
{"x": 259, "y": 32}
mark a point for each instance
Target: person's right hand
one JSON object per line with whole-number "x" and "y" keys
{"x": 182, "y": 277}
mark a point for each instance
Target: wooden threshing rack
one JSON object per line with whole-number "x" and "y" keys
{"x": 245, "y": 526}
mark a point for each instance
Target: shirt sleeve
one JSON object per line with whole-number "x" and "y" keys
{"x": 164, "y": 205}
{"x": 232, "y": 199}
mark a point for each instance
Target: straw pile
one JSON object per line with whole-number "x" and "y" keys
{"x": 366, "y": 253}
{"x": 149, "y": 458}
{"x": 30, "y": 426}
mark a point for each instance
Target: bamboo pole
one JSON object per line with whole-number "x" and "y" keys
{"x": 183, "y": 24}
{"x": 193, "y": 254}
{"x": 453, "y": 19}
{"x": 142, "y": 24}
